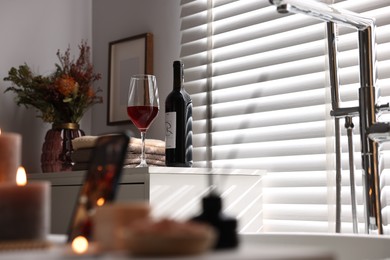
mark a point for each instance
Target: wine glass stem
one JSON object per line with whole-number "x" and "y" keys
{"x": 143, "y": 161}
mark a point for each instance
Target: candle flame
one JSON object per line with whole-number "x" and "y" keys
{"x": 21, "y": 178}
{"x": 80, "y": 245}
{"x": 0, "y": 131}
{"x": 100, "y": 202}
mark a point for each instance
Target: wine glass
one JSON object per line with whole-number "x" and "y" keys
{"x": 142, "y": 106}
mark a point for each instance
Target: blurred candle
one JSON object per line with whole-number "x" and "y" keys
{"x": 80, "y": 245}
{"x": 25, "y": 209}
{"x": 10, "y": 156}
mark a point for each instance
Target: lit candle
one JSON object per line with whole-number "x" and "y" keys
{"x": 25, "y": 209}
{"x": 80, "y": 245}
{"x": 10, "y": 154}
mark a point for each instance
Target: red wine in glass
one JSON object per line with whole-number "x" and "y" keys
{"x": 142, "y": 116}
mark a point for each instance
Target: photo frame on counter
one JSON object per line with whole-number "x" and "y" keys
{"x": 127, "y": 57}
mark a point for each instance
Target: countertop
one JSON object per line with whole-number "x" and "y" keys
{"x": 60, "y": 250}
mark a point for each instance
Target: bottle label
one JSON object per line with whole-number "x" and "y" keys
{"x": 170, "y": 130}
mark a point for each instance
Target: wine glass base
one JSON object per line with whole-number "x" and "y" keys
{"x": 141, "y": 165}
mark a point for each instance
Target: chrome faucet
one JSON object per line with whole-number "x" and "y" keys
{"x": 371, "y": 132}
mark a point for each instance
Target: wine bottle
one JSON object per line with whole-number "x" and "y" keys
{"x": 178, "y": 122}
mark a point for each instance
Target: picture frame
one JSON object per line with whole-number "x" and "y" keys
{"x": 127, "y": 57}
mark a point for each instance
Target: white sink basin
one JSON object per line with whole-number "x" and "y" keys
{"x": 343, "y": 246}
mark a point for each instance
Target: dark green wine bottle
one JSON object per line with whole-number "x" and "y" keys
{"x": 178, "y": 122}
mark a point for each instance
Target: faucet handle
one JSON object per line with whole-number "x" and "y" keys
{"x": 379, "y": 132}
{"x": 383, "y": 108}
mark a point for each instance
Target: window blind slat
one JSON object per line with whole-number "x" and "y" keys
{"x": 288, "y": 116}
{"x": 306, "y": 212}
{"x": 268, "y": 34}
{"x": 271, "y": 133}
{"x": 306, "y": 179}
{"x": 270, "y": 103}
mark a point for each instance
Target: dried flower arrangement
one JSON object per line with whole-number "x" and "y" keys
{"x": 62, "y": 97}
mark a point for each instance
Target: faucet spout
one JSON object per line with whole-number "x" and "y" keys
{"x": 324, "y": 12}
{"x": 367, "y": 106}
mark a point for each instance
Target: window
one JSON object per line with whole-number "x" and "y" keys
{"x": 261, "y": 99}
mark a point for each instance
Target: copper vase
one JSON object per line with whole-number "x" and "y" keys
{"x": 57, "y": 147}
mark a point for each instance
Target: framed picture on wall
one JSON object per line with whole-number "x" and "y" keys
{"x": 127, "y": 57}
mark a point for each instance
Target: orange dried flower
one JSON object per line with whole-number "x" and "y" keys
{"x": 66, "y": 85}
{"x": 91, "y": 93}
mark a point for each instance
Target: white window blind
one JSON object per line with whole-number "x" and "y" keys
{"x": 260, "y": 89}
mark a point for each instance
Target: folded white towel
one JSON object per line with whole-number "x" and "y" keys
{"x": 87, "y": 141}
{"x": 148, "y": 156}
{"x": 137, "y": 161}
{"x": 148, "y": 142}
{"x": 135, "y": 147}
{"x": 152, "y": 146}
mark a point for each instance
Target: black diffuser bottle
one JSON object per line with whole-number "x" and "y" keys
{"x": 178, "y": 122}
{"x": 225, "y": 226}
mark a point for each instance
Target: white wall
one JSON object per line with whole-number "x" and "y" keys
{"x": 32, "y": 32}
{"x": 118, "y": 19}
